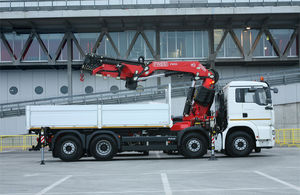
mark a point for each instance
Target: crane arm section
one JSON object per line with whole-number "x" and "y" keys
{"x": 132, "y": 71}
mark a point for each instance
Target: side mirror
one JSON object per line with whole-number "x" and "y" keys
{"x": 275, "y": 90}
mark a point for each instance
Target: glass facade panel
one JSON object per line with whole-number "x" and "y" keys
{"x": 86, "y": 42}
{"x": 105, "y": 48}
{"x": 184, "y": 44}
{"x": 185, "y": 40}
{"x": 63, "y": 53}
{"x": 201, "y": 43}
{"x": 17, "y": 42}
{"x": 140, "y": 48}
{"x": 4, "y": 55}
{"x": 122, "y": 40}
{"x": 239, "y": 34}
{"x": 109, "y": 50}
{"x": 164, "y": 44}
{"x": 218, "y": 34}
{"x": 282, "y": 37}
{"x": 229, "y": 49}
{"x": 33, "y": 52}
{"x": 172, "y": 51}
{"x": 173, "y": 44}
{"x": 52, "y": 42}
{"x": 123, "y": 43}
{"x": 264, "y": 47}
{"x": 294, "y": 49}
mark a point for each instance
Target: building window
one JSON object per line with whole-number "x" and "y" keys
{"x": 122, "y": 41}
{"x": 263, "y": 47}
{"x": 52, "y": 41}
{"x": 39, "y": 90}
{"x": 4, "y": 55}
{"x": 282, "y": 38}
{"x": 64, "y": 89}
{"x": 228, "y": 49}
{"x": 184, "y": 44}
{"x": 89, "y": 89}
{"x": 13, "y": 90}
{"x": 114, "y": 89}
{"x": 87, "y": 42}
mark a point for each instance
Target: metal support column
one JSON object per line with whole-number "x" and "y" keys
{"x": 299, "y": 45}
{"x": 157, "y": 56}
{"x": 69, "y": 67}
{"x": 246, "y": 45}
{"x": 157, "y": 39}
{"x": 211, "y": 44}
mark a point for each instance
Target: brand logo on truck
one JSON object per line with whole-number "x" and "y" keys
{"x": 164, "y": 64}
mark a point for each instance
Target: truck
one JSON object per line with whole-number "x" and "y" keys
{"x": 242, "y": 122}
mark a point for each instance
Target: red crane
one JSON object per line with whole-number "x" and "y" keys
{"x": 199, "y": 99}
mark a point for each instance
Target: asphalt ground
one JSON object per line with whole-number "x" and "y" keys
{"x": 274, "y": 171}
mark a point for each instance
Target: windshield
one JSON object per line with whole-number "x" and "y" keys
{"x": 262, "y": 97}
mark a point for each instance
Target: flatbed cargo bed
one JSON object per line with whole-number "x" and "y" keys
{"x": 156, "y": 115}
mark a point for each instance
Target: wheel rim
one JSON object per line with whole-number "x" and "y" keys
{"x": 69, "y": 147}
{"x": 194, "y": 145}
{"x": 103, "y": 147}
{"x": 240, "y": 144}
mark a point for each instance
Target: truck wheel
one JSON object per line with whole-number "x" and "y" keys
{"x": 239, "y": 144}
{"x": 257, "y": 150}
{"x": 69, "y": 148}
{"x": 193, "y": 145}
{"x": 103, "y": 147}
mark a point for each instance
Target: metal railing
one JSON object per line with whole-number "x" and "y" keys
{"x": 22, "y": 5}
{"x": 288, "y": 137}
{"x": 179, "y": 89}
{"x": 122, "y": 96}
{"x": 17, "y": 142}
{"x": 282, "y": 77}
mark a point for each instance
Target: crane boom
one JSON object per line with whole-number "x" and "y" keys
{"x": 131, "y": 71}
{"x": 199, "y": 99}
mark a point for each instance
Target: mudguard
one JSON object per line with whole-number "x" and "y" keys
{"x": 198, "y": 129}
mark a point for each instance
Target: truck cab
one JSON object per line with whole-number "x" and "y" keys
{"x": 249, "y": 118}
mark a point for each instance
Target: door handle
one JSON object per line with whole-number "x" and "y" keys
{"x": 269, "y": 108}
{"x": 245, "y": 115}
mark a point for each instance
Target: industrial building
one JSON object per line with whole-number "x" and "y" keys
{"x": 43, "y": 43}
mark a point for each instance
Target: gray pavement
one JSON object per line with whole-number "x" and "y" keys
{"x": 274, "y": 171}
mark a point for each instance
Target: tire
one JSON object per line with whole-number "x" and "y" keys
{"x": 69, "y": 148}
{"x": 257, "y": 150}
{"x": 103, "y": 147}
{"x": 193, "y": 145}
{"x": 239, "y": 144}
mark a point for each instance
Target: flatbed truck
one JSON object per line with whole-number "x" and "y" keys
{"x": 242, "y": 121}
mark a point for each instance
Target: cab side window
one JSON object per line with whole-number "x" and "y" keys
{"x": 245, "y": 95}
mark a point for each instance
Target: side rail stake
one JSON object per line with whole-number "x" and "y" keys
{"x": 213, "y": 156}
{"x": 42, "y": 146}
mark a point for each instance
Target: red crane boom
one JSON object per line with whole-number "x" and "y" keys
{"x": 199, "y": 100}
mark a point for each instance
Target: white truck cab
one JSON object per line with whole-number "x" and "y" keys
{"x": 249, "y": 116}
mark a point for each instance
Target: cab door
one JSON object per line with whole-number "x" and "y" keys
{"x": 256, "y": 109}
